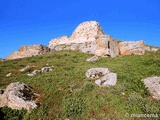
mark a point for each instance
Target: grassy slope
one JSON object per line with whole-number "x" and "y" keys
{"x": 67, "y": 92}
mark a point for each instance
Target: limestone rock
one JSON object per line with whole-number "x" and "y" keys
{"x": 9, "y": 74}
{"x": 106, "y": 46}
{"x": 25, "y": 69}
{"x": 88, "y": 37}
{"x": 35, "y": 72}
{"x": 132, "y": 48}
{"x": 19, "y": 95}
{"x": 28, "y": 51}
{"x": 153, "y": 85}
{"x": 108, "y": 80}
{"x": 46, "y": 69}
{"x": 58, "y": 41}
{"x": 151, "y": 49}
{"x": 93, "y": 59}
{"x": 96, "y": 72}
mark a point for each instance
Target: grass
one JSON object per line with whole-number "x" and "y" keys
{"x": 67, "y": 93}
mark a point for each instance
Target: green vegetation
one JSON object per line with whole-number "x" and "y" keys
{"x": 67, "y": 93}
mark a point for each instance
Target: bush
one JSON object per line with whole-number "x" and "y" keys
{"x": 73, "y": 107}
{"x": 10, "y": 114}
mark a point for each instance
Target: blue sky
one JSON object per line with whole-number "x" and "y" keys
{"x": 27, "y": 22}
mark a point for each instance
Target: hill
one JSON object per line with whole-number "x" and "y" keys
{"x": 66, "y": 93}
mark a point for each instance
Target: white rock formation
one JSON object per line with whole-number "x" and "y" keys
{"x": 108, "y": 80}
{"x": 93, "y": 59}
{"x": 132, "y": 48}
{"x": 151, "y": 49}
{"x": 96, "y": 72}
{"x": 19, "y": 95}
{"x": 153, "y": 85}
{"x": 28, "y": 51}
{"x": 46, "y": 69}
{"x": 26, "y": 68}
{"x": 88, "y": 37}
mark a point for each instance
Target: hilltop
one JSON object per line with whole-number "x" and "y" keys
{"x": 90, "y": 38}
{"x": 55, "y": 77}
{"x": 67, "y": 84}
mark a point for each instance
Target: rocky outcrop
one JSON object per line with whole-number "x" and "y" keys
{"x": 132, "y": 48}
{"x": 93, "y": 59}
{"x": 96, "y": 72}
{"x": 19, "y": 95}
{"x": 109, "y": 79}
{"x": 43, "y": 70}
{"x": 28, "y": 51}
{"x": 151, "y": 48}
{"x": 27, "y": 68}
{"x": 88, "y": 37}
{"x": 153, "y": 85}
{"x": 106, "y": 78}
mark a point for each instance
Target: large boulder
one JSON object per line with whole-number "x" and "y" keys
{"x": 132, "y": 48}
{"x": 88, "y": 37}
{"x": 28, "y": 51}
{"x": 96, "y": 72}
{"x": 153, "y": 85}
{"x": 108, "y": 80}
{"x": 19, "y": 95}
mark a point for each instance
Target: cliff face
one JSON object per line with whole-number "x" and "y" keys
{"x": 28, "y": 51}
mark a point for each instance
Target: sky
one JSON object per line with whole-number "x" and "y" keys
{"x": 27, "y": 22}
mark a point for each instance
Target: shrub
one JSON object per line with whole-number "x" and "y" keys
{"x": 73, "y": 107}
{"x": 10, "y": 114}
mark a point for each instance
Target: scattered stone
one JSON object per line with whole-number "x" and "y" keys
{"x": 46, "y": 69}
{"x": 27, "y": 68}
{"x": 108, "y": 80}
{"x": 19, "y": 95}
{"x": 9, "y": 74}
{"x": 96, "y": 72}
{"x": 153, "y": 85}
{"x": 35, "y": 72}
{"x": 93, "y": 59}
{"x": 28, "y": 51}
{"x": 132, "y": 48}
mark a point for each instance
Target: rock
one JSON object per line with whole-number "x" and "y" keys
{"x": 106, "y": 46}
{"x": 108, "y": 80}
{"x": 46, "y": 69}
{"x": 151, "y": 49}
{"x": 27, "y": 68}
{"x": 35, "y": 72}
{"x": 28, "y": 51}
{"x": 153, "y": 85}
{"x": 2, "y": 60}
{"x": 9, "y": 74}
{"x": 19, "y": 95}
{"x": 93, "y": 59}
{"x": 96, "y": 72}
{"x": 132, "y": 48}
{"x": 88, "y": 37}
{"x": 58, "y": 41}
